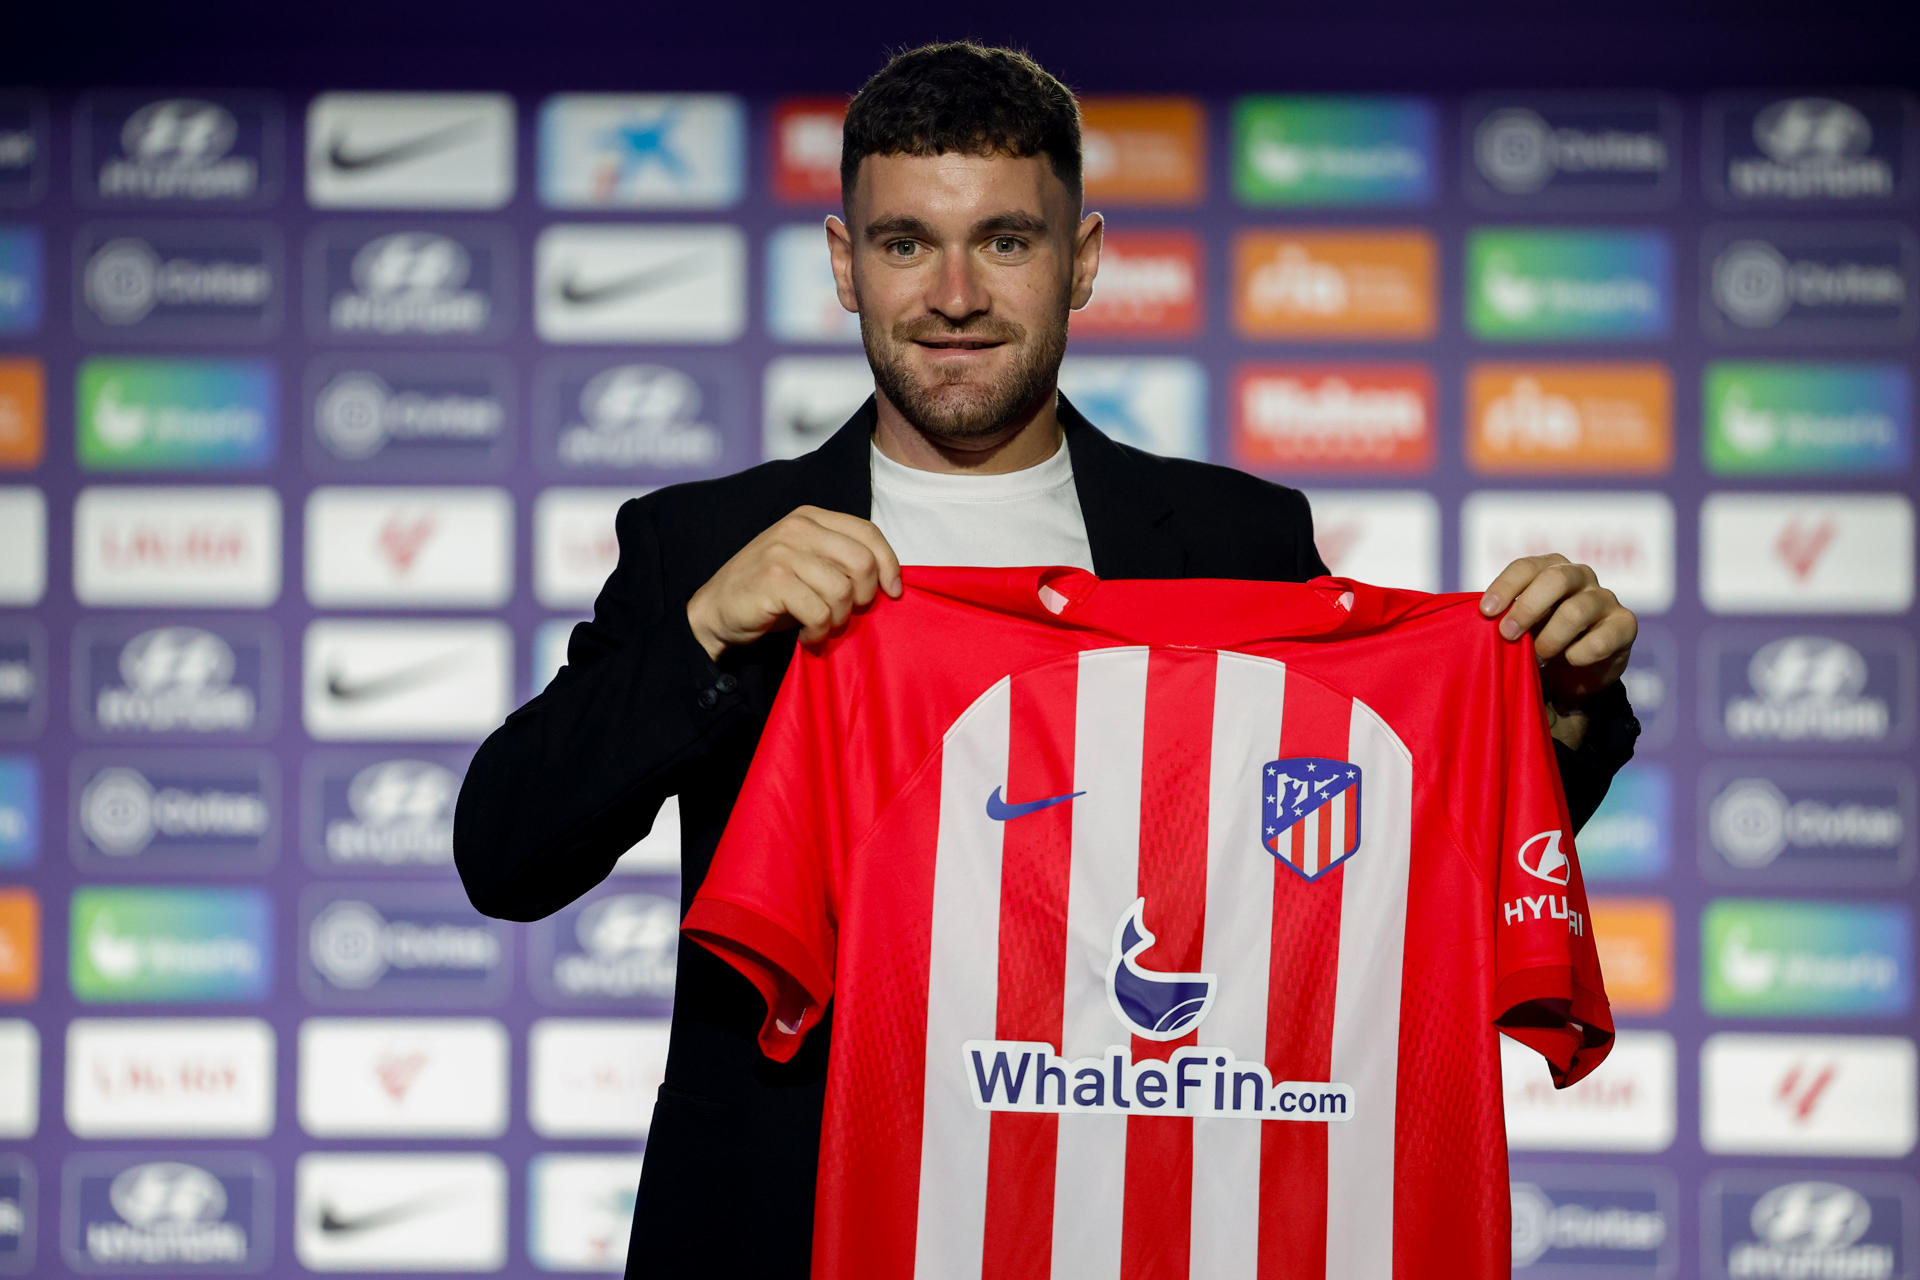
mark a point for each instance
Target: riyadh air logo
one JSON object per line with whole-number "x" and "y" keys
{"x": 1153, "y": 1005}
{"x": 1311, "y": 813}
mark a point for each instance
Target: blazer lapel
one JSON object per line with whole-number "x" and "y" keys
{"x": 839, "y": 474}
{"x": 1128, "y": 521}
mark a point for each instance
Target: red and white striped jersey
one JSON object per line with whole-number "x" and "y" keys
{"x": 1166, "y": 926}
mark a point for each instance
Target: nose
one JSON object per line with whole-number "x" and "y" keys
{"x": 956, "y": 291}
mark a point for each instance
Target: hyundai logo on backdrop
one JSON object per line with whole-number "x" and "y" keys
{"x": 612, "y": 949}
{"x": 393, "y": 945}
{"x": 18, "y": 1212}
{"x": 1791, "y": 1225}
{"x": 643, "y": 151}
{"x": 207, "y": 1213}
{"x": 23, "y": 667}
{"x": 1652, "y": 684}
{"x": 391, "y": 284}
{"x": 1573, "y": 151}
{"x": 1807, "y": 823}
{"x": 652, "y": 422}
{"x": 23, "y": 147}
{"x": 1820, "y": 150}
{"x": 202, "y": 151}
{"x": 153, "y": 812}
{"x": 1582, "y": 1223}
{"x": 411, "y": 416}
{"x": 195, "y": 281}
{"x": 1809, "y": 282}
{"x": 380, "y": 811}
{"x": 216, "y": 681}
{"x": 1812, "y": 688}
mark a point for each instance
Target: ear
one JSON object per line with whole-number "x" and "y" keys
{"x": 840, "y": 250}
{"x": 1086, "y": 258}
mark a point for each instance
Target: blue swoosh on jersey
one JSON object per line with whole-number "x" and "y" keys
{"x": 1000, "y": 811}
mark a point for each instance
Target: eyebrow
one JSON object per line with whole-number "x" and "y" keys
{"x": 1010, "y": 221}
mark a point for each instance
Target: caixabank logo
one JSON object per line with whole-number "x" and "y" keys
{"x": 1765, "y": 958}
{"x": 199, "y": 151}
{"x": 1806, "y": 688}
{"x": 409, "y": 416}
{"x": 385, "y": 945}
{"x": 379, "y": 811}
{"x": 151, "y": 945}
{"x": 643, "y": 150}
{"x": 1573, "y": 150}
{"x": 1798, "y": 417}
{"x": 1781, "y": 1225}
{"x": 201, "y": 280}
{"x": 1156, "y": 403}
{"x": 1808, "y": 823}
{"x": 1532, "y": 285}
{"x": 612, "y": 949}
{"x": 209, "y": 1213}
{"x": 803, "y": 301}
{"x": 1811, "y": 282}
{"x": 213, "y": 682}
{"x": 1821, "y": 150}
{"x": 390, "y": 283}
{"x": 176, "y": 415}
{"x": 164, "y": 812}
{"x": 639, "y": 419}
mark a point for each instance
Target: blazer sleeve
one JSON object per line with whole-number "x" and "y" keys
{"x": 573, "y": 778}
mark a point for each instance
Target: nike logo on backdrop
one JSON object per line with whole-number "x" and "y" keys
{"x": 1001, "y": 811}
{"x": 402, "y": 678}
{"x": 335, "y": 1224}
{"x": 577, "y": 294}
{"x": 394, "y": 153}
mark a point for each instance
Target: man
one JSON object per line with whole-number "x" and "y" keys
{"x": 963, "y": 250}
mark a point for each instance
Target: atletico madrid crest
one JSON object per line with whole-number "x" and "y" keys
{"x": 1310, "y": 817}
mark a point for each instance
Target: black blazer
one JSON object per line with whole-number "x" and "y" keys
{"x": 639, "y": 713}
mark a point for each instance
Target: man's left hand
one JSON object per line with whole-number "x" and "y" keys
{"x": 1582, "y": 634}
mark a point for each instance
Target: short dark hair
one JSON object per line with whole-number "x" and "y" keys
{"x": 967, "y": 98}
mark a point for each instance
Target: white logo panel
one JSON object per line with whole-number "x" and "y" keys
{"x": 410, "y": 151}
{"x": 23, "y": 532}
{"x": 1807, "y": 1095}
{"x": 212, "y": 547}
{"x": 574, "y": 545}
{"x": 400, "y": 1212}
{"x": 431, "y": 1077}
{"x": 162, "y": 1077}
{"x": 420, "y": 681}
{"x": 1390, "y": 538}
{"x": 19, "y": 1078}
{"x": 803, "y": 301}
{"x": 594, "y": 1077}
{"x": 409, "y": 547}
{"x": 1156, "y": 403}
{"x": 1806, "y": 553}
{"x": 659, "y": 850}
{"x": 675, "y": 284}
{"x": 1627, "y": 1105}
{"x": 1626, "y": 537}
{"x": 641, "y": 151}
{"x": 808, "y": 398}
{"x": 581, "y": 1214}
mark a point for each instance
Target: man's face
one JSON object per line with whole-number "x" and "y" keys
{"x": 963, "y": 269}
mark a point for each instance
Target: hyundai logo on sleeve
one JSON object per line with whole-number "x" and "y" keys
{"x": 196, "y": 280}
{"x": 194, "y": 151}
{"x": 208, "y": 1213}
{"x": 155, "y": 812}
{"x": 219, "y": 681}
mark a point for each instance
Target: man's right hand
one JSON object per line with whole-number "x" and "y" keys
{"x": 811, "y": 570}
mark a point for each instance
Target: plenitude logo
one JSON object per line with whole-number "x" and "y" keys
{"x": 1773, "y": 959}
{"x": 1141, "y": 151}
{"x": 1780, "y": 417}
{"x": 1569, "y": 418}
{"x": 157, "y": 945}
{"x": 23, "y": 146}
{"x": 1325, "y": 284}
{"x": 23, "y": 418}
{"x": 1334, "y": 151}
{"x": 1531, "y": 285}
{"x": 176, "y": 415}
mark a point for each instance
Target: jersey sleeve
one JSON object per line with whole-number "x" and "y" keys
{"x": 768, "y": 903}
{"x": 1548, "y": 992}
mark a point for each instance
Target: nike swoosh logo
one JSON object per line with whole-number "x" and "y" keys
{"x": 345, "y": 690}
{"x": 395, "y": 152}
{"x": 334, "y": 1223}
{"x": 574, "y": 293}
{"x": 1000, "y": 811}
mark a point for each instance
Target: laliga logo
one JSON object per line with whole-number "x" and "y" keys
{"x": 1157, "y": 1006}
{"x": 1540, "y": 857}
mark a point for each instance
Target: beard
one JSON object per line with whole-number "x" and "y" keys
{"x": 952, "y": 405}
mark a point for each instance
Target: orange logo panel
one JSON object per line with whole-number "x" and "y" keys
{"x": 1143, "y": 150}
{"x": 23, "y": 423}
{"x": 1335, "y": 284}
{"x": 1635, "y": 939}
{"x": 1570, "y": 418}
{"x": 806, "y": 149}
{"x": 1305, "y": 417}
{"x": 19, "y": 945}
{"x": 1148, "y": 287}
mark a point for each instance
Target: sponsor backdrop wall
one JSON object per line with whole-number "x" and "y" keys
{"x": 315, "y": 411}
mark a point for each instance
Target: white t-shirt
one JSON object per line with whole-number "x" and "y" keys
{"x": 1021, "y": 518}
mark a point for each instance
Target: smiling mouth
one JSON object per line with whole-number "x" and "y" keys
{"x": 957, "y": 344}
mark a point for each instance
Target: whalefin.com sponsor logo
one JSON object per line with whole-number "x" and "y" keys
{"x": 176, "y": 415}
{"x": 22, "y": 279}
{"x": 400, "y": 1212}
{"x": 1628, "y": 1107}
{"x": 378, "y": 812}
{"x": 643, "y": 151}
{"x": 1155, "y": 403}
{"x": 177, "y": 545}
{"x": 23, "y": 146}
{"x": 1147, "y": 150}
{"x": 1810, "y": 824}
{"x": 1776, "y": 418}
{"x": 23, "y": 661}
{"x": 651, "y": 421}
{"x": 1615, "y": 150}
{"x": 434, "y": 415}
{"x": 19, "y": 811}
{"x": 1532, "y": 285}
{"x": 174, "y": 811}
{"x": 806, "y": 149}
{"x": 803, "y": 301}
{"x": 1193, "y": 1081}
{"x": 447, "y": 284}
{"x": 1811, "y": 1094}
{"x": 1810, "y": 150}
{"x": 1292, "y": 417}
{"x": 1808, "y": 1226}
{"x": 1570, "y": 418}
{"x": 169, "y": 1077}
{"x": 1630, "y": 836}
{"x": 197, "y": 281}
{"x": 1321, "y": 151}
{"x": 612, "y": 948}
{"x": 1570, "y": 1222}
{"x": 1805, "y": 959}
{"x": 1808, "y": 688}
{"x": 580, "y": 1211}
{"x": 149, "y": 945}
{"x": 1315, "y": 284}
{"x": 197, "y": 151}
{"x": 143, "y": 681}
{"x": 1809, "y": 282}
{"x": 383, "y": 945}
{"x": 1149, "y": 287}
{"x": 207, "y": 1213}
{"x": 410, "y": 151}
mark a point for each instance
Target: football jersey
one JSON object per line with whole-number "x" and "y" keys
{"x": 1166, "y": 926}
